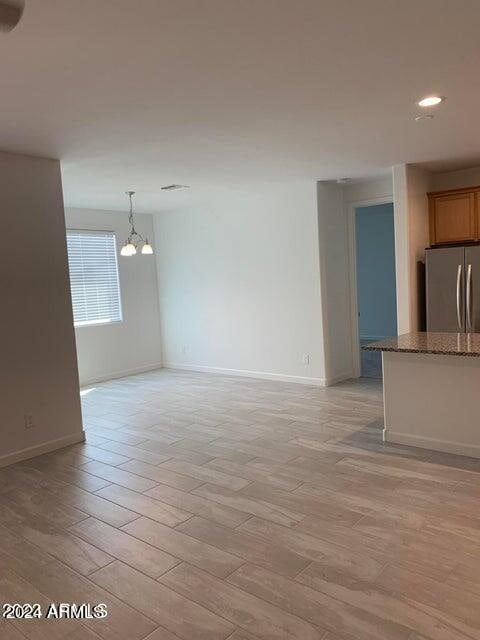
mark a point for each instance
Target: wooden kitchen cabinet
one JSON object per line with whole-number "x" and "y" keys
{"x": 454, "y": 216}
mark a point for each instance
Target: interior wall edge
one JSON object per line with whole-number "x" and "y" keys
{"x": 40, "y": 407}
{"x": 41, "y": 449}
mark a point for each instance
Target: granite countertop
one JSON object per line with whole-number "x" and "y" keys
{"x": 452, "y": 344}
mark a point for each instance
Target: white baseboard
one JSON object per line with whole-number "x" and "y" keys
{"x": 447, "y": 446}
{"x": 121, "y": 374}
{"x": 328, "y": 382}
{"x": 243, "y": 373}
{"x": 40, "y": 449}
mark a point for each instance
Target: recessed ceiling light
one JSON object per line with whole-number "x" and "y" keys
{"x": 430, "y": 101}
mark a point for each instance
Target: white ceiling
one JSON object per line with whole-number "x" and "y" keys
{"x": 141, "y": 93}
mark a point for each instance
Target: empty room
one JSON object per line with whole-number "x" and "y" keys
{"x": 240, "y": 321}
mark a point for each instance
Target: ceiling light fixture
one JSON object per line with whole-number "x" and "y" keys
{"x": 134, "y": 239}
{"x": 174, "y": 187}
{"x": 430, "y": 101}
{"x": 10, "y": 14}
{"x": 424, "y": 116}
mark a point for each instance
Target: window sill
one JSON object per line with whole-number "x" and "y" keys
{"x": 89, "y": 325}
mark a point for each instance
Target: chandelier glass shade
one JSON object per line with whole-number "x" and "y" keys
{"x": 134, "y": 240}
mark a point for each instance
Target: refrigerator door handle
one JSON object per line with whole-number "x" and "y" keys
{"x": 469, "y": 297}
{"x": 459, "y": 282}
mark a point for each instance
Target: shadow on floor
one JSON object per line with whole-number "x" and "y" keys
{"x": 370, "y": 361}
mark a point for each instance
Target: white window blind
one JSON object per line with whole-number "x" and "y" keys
{"x": 92, "y": 261}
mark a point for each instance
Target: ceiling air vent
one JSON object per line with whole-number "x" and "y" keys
{"x": 175, "y": 187}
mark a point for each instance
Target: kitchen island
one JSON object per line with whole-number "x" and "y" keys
{"x": 431, "y": 389}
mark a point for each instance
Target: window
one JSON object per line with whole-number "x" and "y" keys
{"x": 92, "y": 261}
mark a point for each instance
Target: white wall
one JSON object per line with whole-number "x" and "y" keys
{"x": 240, "y": 283}
{"x": 419, "y": 183}
{"x": 402, "y": 249}
{"x": 134, "y": 345}
{"x": 411, "y": 185}
{"x": 38, "y": 370}
{"x": 455, "y": 179}
{"x": 335, "y": 280}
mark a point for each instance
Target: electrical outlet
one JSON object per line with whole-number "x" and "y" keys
{"x": 306, "y": 358}
{"x": 28, "y": 421}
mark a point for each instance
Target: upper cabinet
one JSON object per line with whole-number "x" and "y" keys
{"x": 454, "y": 216}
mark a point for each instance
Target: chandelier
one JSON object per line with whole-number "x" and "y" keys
{"x": 134, "y": 239}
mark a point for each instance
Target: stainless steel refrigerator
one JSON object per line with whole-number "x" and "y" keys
{"x": 453, "y": 289}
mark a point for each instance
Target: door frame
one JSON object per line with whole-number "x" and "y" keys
{"x": 352, "y": 259}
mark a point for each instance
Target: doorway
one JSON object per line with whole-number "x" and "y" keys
{"x": 376, "y": 296}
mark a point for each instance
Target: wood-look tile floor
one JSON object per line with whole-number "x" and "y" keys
{"x": 204, "y": 507}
